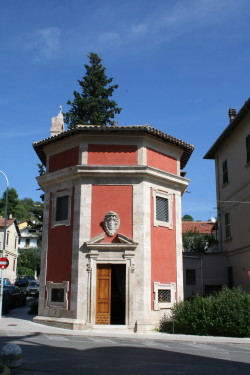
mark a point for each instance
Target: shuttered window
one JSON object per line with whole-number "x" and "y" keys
{"x": 225, "y": 172}
{"x": 227, "y": 225}
{"x": 162, "y": 209}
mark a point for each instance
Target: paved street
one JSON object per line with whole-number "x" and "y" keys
{"x": 49, "y": 352}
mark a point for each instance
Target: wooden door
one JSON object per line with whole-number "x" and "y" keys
{"x": 103, "y": 294}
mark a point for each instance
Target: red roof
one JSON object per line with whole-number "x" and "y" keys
{"x": 205, "y": 227}
{"x": 9, "y": 222}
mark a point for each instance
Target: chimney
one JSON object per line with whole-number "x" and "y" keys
{"x": 232, "y": 114}
{"x": 57, "y": 125}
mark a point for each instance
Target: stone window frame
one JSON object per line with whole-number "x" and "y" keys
{"x": 63, "y": 285}
{"x": 169, "y": 196}
{"x": 164, "y": 305}
{"x": 56, "y": 195}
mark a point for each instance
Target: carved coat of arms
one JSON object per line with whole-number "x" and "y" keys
{"x": 111, "y": 223}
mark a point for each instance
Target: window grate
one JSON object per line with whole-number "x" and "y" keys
{"x": 162, "y": 211}
{"x": 164, "y": 295}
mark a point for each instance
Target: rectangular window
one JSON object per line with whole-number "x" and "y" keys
{"x": 7, "y": 238}
{"x": 62, "y": 208}
{"x": 162, "y": 209}
{"x": 225, "y": 172}
{"x": 248, "y": 148}
{"x": 227, "y": 225}
{"x": 164, "y": 295}
{"x": 57, "y": 295}
{"x": 190, "y": 277}
{"x": 27, "y": 242}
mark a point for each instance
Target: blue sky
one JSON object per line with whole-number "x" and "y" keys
{"x": 180, "y": 65}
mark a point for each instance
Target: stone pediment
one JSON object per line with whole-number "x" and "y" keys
{"x": 125, "y": 243}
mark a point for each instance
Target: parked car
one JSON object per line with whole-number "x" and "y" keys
{"x": 22, "y": 281}
{"x": 17, "y": 297}
{"x": 33, "y": 288}
{"x": 6, "y": 281}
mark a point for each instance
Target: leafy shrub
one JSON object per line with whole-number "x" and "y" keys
{"x": 225, "y": 314}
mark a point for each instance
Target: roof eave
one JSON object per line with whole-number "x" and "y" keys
{"x": 138, "y": 129}
{"x": 229, "y": 129}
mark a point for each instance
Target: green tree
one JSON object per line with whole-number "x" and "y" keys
{"x": 22, "y": 209}
{"x": 187, "y": 218}
{"x": 12, "y": 202}
{"x": 92, "y": 105}
{"x": 28, "y": 261}
{"x": 197, "y": 242}
{"x": 41, "y": 171}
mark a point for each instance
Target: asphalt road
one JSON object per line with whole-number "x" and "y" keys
{"x": 57, "y": 354}
{"x": 91, "y": 355}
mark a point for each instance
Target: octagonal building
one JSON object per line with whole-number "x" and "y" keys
{"x": 112, "y": 241}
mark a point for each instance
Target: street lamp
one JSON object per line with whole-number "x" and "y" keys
{"x": 4, "y": 238}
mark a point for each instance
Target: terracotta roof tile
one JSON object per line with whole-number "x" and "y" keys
{"x": 113, "y": 130}
{"x": 205, "y": 227}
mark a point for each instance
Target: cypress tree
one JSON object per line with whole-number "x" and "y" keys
{"x": 92, "y": 105}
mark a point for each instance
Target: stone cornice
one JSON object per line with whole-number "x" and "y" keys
{"x": 125, "y": 243}
{"x": 88, "y": 171}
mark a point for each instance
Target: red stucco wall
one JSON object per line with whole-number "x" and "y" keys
{"x": 163, "y": 251}
{"x": 60, "y": 241}
{"x": 64, "y": 159}
{"x": 161, "y": 161}
{"x": 112, "y": 155}
{"x": 112, "y": 198}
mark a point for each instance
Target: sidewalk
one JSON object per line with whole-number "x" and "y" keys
{"x": 18, "y": 322}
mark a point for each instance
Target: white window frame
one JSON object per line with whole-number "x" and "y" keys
{"x": 58, "y": 194}
{"x": 164, "y": 305}
{"x": 169, "y": 197}
{"x": 63, "y": 285}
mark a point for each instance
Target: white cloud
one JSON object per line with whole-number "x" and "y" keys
{"x": 110, "y": 37}
{"x": 139, "y": 29}
{"x": 44, "y": 44}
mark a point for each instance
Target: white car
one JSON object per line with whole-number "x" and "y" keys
{"x": 33, "y": 288}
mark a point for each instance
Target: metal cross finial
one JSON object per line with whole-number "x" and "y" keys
{"x": 60, "y": 108}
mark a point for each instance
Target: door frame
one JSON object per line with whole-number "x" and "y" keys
{"x": 93, "y": 288}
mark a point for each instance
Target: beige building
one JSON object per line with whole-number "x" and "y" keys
{"x": 11, "y": 246}
{"x": 231, "y": 152}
